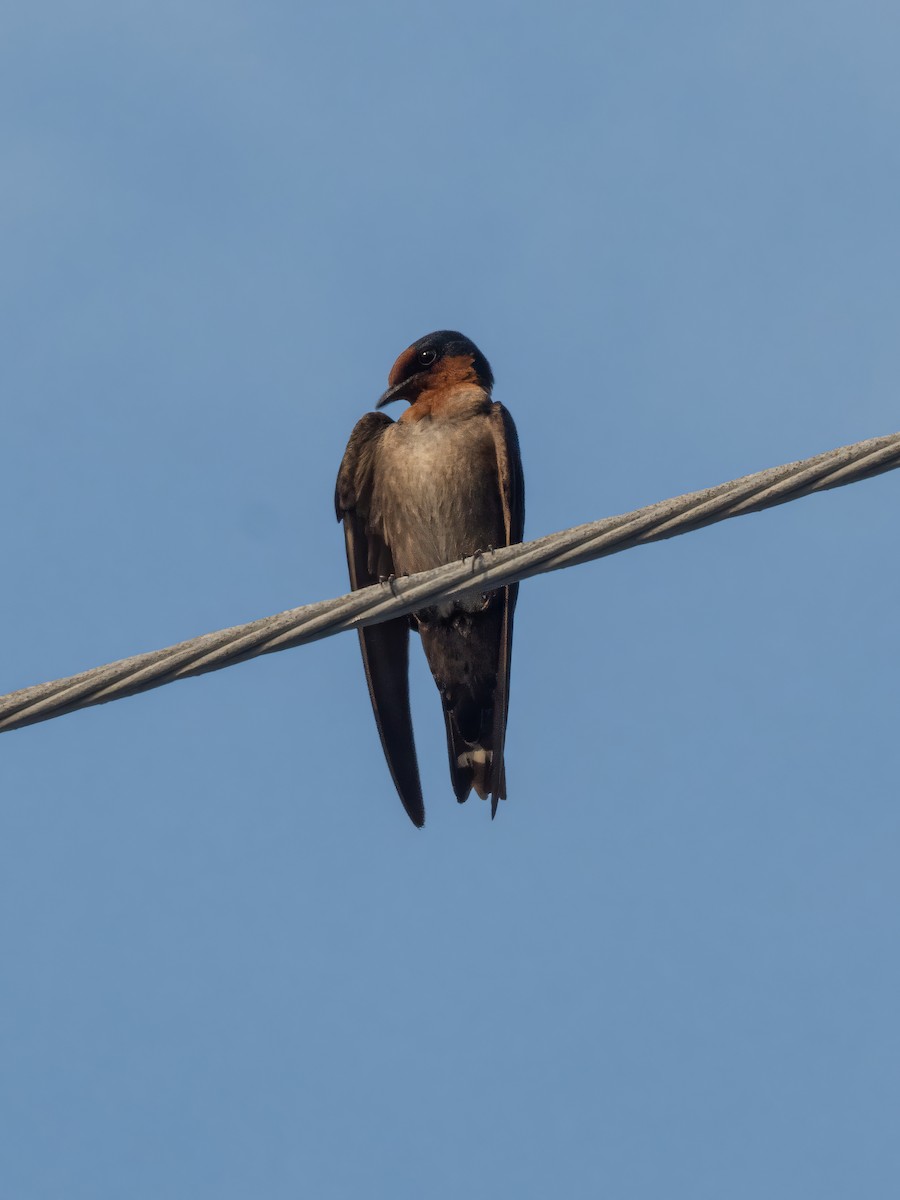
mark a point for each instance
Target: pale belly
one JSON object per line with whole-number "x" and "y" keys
{"x": 440, "y": 499}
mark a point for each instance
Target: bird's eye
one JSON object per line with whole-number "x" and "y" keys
{"x": 427, "y": 357}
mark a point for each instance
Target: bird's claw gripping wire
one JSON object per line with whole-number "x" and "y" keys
{"x": 391, "y": 581}
{"x": 479, "y": 554}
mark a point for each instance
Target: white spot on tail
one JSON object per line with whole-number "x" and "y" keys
{"x": 471, "y": 758}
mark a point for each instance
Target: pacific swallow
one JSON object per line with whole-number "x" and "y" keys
{"x": 441, "y": 483}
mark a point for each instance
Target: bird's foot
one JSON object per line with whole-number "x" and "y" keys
{"x": 479, "y": 554}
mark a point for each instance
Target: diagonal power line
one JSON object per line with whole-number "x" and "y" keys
{"x": 297, "y": 626}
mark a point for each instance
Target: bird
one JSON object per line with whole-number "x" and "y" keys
{"x": 439, "y": 484}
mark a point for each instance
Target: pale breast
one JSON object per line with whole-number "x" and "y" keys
{"x": 437, "y": 497}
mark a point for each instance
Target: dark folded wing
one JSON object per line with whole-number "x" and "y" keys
{"x": 385, "y": 647}
{"x": 512, "y": 492}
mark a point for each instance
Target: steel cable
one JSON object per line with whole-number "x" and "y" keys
{"x": 488, "y": 570}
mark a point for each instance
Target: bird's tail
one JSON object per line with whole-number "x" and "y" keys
{"x": 462, "y": 655}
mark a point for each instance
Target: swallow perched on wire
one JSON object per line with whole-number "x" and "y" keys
{"x": 441, "y": 483}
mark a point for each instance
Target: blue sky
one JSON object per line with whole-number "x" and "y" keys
{"x": 230, "y": 966}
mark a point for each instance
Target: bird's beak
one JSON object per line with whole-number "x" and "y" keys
{"x": 407, "y": 390}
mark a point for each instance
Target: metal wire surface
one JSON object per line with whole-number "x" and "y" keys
{"x": 583, "y": 543}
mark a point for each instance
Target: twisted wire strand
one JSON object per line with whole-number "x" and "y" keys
{"x": 483, "y": 572}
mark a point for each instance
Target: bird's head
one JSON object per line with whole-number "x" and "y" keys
{"x": 437, "y": 361}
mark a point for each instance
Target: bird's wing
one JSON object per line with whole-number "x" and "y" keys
{"x": 509, "y": 470}
{"x": 385, "y": 647}
{"x": 512, "y": 493}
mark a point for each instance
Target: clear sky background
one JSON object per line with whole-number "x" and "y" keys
{"x": 230, "y": 965}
